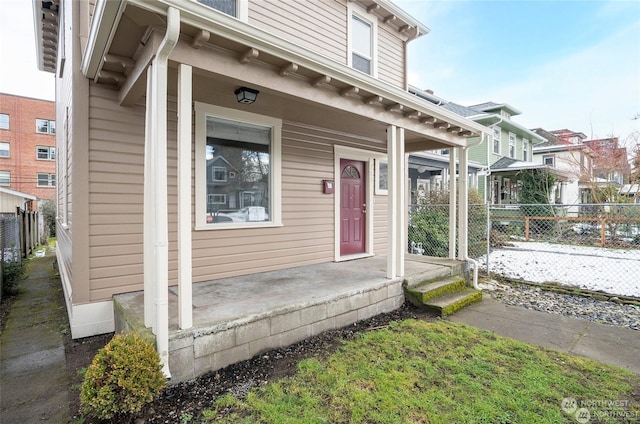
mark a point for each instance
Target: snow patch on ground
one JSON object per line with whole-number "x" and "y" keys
{"x": 615, "y": 271}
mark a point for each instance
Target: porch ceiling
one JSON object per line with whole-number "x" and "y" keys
{"x": 294, "y": 83}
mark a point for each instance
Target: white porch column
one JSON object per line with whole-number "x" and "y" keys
{"x": 397, "y": 204}
{"x": 452, "y": 202}
{"x": 463, "y": 216}
{"x": 392, "y": 179}
{"x": 185, "y": 298}
{"x": 148, "y": 215}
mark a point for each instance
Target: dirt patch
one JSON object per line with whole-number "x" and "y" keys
{"x": 192, "y": 397}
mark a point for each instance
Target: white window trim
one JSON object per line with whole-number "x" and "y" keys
{"x": 553, "y": 160}
{"x": 213, "y": 174}
{"x": 61, "y": 160}
{"x": 8, "y": 121}
{"x": 48, "y": 152}
{"x": 360, "y": 12}
{"x": 49, "y": 179}
{"x": 242, "y": 8}
{"x": 368, "y": 157}
{"x": 223, "y": 196}
{"x": 499, "y": 140}
{"x": 525, "y": 149}
{"x": 513, "y": 141}
{"x": 8, "y": 173}
{"x": 381, "y": 191}
{"x": 8, "y": 149}
{"x": 275, "y": 175}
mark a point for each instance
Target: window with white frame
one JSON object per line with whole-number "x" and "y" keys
{"x": 362, "y": 40}
{"x": 512, "y": 145}
{"x": 382, "y": 177}
{"x": 4, "y": 121}
{"x": 237, "y": 168}
{"x": 5, "y": 178}
{"x": 45, "y": 126}
{"x": 549, "y": 160}
{"x": 236, "y": 8}
{"x": 496, "y": 140}
{"x": 45, "y": 153}
{"x": 525, "y": 149}
{"x": 46, "y": 180}
{"x": 5, "y": 150}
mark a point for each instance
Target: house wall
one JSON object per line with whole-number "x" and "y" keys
{"x": 298, "y": 22}
{"x": 22, "y": 162}
{"x": 116, "y": 146}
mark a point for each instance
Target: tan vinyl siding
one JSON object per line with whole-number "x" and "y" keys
{"x": 391, "y": 57}
{"x": 116, "y": 205}
{"x": 299, "y": 22}
{"x": 381, "y": 214}
{"x": 116, "y": 169}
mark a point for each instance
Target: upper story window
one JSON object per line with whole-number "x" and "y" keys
{"x": 45, "y": 126}
{"x": 46, "y": 180}
{"x": 363, "y": 33}
{"x": 549, "y": 160}
{"x": 5, "y": 150}
{"x": 236, "y": 8}
{"x": 496, "y": 140}
{"x": 237, "y": 168}
{"x": 46, "y": 153}
{"x": 525, "y": 149}
{"x": 5, "y": 178}
{"x": 4, "y": 121}
{"x": 512, "y": 145}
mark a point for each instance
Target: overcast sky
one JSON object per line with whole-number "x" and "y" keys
{"x": 563, "y": 64}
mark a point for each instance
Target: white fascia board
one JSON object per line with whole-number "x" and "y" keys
{"x": 535, "y": 138}
{"x": 17, "y": 193}
{"x": 37, "y": 31}
{"x": 203, "y": 17}
{"x": 106, "y": 16}
{"x": 558, "y": 148}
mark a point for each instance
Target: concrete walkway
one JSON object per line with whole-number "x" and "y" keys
{"x": 604, "y": 343}
{"x": 34, "y": 386}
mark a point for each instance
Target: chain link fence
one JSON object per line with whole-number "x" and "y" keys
{"x": 587, "y": 246}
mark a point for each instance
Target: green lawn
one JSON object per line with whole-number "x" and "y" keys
{"x": 437, "y": 372}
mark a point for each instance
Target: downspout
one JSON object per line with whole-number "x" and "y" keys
{"x": 464, "y": 212}
{"x": 160, "y": 65}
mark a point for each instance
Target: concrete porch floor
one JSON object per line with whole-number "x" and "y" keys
{"x": 237, "y": 318}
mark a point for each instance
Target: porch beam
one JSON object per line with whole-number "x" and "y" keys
{"x": 133, "y": 88}
{"x": 185, "y": 281}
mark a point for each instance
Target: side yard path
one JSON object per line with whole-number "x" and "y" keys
{"x": 33, "y": 376}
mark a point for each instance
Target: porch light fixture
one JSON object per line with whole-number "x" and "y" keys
{"x": 246, "y": 95}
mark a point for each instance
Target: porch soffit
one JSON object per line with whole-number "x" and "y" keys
{"x": 45, "y": 21}
{"x": 250, "y": 51}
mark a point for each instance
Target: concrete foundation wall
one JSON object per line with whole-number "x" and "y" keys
{"x": 197, "y": 351}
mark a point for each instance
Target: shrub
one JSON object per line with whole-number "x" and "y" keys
{"x": 124, "y": 376}
{"x": 12, "y": 274}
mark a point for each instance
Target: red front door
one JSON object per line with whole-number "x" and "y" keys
{"x": 352, "y": 207}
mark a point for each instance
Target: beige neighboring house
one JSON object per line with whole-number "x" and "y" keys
{"x": 10, "y": 200}
{"x": 169, "y": 173}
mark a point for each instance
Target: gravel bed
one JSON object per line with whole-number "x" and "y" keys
{"x": 530, "y": 297}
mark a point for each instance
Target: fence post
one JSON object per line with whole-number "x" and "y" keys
{"x": 526, "y": 228}
{"x": 603, "y": 223}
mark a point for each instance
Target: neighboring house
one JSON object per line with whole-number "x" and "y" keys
{"x": 308, "y": 96}
{"x": 11, "y": 200}
{"x": 611, "y": 162}
{"x": 27, "y": 146}
{"x": 631, "y": 191}
{"x": 507, "y": 151}
{"x": 429, "y": 172}
{"x": 571, "y": 157}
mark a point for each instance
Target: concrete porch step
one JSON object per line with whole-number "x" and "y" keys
{"x": 448, "y": 304}
{"x": 429, "y": 290}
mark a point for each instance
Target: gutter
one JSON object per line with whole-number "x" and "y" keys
{"x": 106, "y": 16}
{"x": 463, "y": 223}
{"x": 161, "y": 240}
